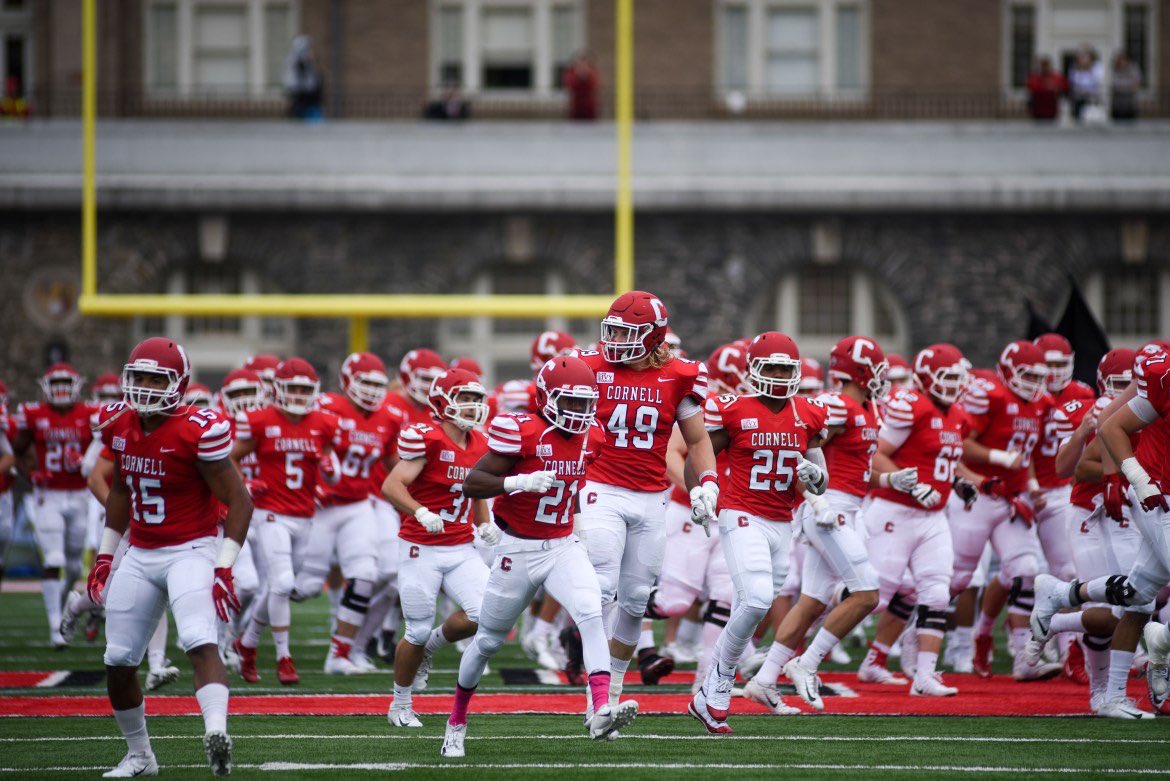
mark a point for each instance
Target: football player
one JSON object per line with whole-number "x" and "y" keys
{"x": 536, "y": 467}
{"x": 345, "y": 526}
{"x": 265, "y": 365}
{"x": 59, "y": 430}
{"x": 7, "y": 463}
{"x": 106, "y": 389}
{"x": 812, "y": 378}
{"x": 900, "y": 374}
{"x": 293, "y": 442}
{"x": 437, "y": 554}
{"x": 199, "y": 395}
{"x": 644, "y": 391}
{"x": 768, "y": 434}
{"x": 171, "y": 462}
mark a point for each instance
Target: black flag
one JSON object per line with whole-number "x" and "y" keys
{"x": 1085, "y": 334}
{"x": 1038, "y": 325}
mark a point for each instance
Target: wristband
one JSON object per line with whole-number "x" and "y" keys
{"x": 110, "y": 540}
{"x": 1002, "y": 458}
{"x": 710, "y": 476}
{"x": 1134, "y": 472}
{"x": 229, "y": 549}
{"x": 884, "y": 480}
{"x": 511, "y": 483}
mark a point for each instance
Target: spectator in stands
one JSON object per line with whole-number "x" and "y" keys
{"x": 1124, "y": 87}
{"x": 13, "y": 103}
{"x": 450, "y": 105}
{"x": 1046, "y": 87}
{"x": 302, "y": 81}
{"x": 581, "y": 82}
{"x": 1084, "y": 83}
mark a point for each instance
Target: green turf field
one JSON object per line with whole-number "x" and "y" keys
{"x": 527, "y": 746}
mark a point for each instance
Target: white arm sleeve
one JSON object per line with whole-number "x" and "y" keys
{"x": 687, "y": 408}
{"x": 90, "y": 459}
{"x": 1143, "y": 409}
{"x": 817, "y": 456}
{"x": 896, "y": 436}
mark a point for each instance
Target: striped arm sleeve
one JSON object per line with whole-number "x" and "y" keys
{"x": 504, "y": 436}
{"x": 216, "y": 442}
{"x": 975, "y": 400}
{"x": 836, "y": 413}
{"x": 411, "y": 444}
{"x": 243, "y": 426}
{"x": 699, "y": 389}
{"x": 712, "y": 415}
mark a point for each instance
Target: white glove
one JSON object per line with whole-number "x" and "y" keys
{"x": 813, "y": 477}
{"x": 489, "y": 533}
{"x": 704, "y": 499}
{"x": 429, "y": 520}
{"x": 925, "y": 495}
{"x": 904, "y": 480}
{"x": 820, "y": 511}
{"x": 532, "y": 482}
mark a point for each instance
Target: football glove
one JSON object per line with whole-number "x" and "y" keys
{"x": 223, "y": 593}
{"x": 429, "y": 520}
{"x": 98, "y": 575}
{"x": 904, "y": 480}
{"x": 489, "y": 533}
{"x": 813, "y": 477}
{"x": 530, "y": 482}
{"x": 965, "y": 490}
{"x": 925, "y": 495}
{"x": 1114, "y": 499}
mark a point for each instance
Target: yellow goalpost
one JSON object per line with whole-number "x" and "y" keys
{"x": 359, "y": 308}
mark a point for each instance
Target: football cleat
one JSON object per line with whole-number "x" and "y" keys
{"x": 69, "y": 616}
{"x": 218, "y": 747}
{"x": 716, "y": 691}
{"x": 1023, "y": 670}
{"x": 340, "y": 665}
{"x": 611, "y": 718}
{"x": 653, "y": 667}
{"x": 134, "y": 765}
{"x": 160, "y": 677}
{"x": 1074, "y": 665}
{"x": 768, "y": 696}
{"x": 807, "y": 683}
{"x": 402, "y": 716}
{"x": 419, "y": 684}
{"x": 286, "y": 671}
{"x": 247, "y": 661}
{"x": 1048, "y": 604}
{"x": 542, "y": 646}
{"x": 698, "y": 709}
{"x": 57, "y": 640}
{"x": 1122, "y": 708}
{"x": 962, "y": 659}
{"x": 682, "y": 653}
{"x": 362, "y": 662}
{"x": 93, "y": 625}
{"x": 1033, "y": 652}
{"x": 453, "y": 740}
{"x": 876, "y": 673}
{"x": 748, "y": 667}
{"x": 838, "y": 655}
{"x": 932, "y": 687}
{"x": 1158, "y": 671}
{"x": 981, "y": 661}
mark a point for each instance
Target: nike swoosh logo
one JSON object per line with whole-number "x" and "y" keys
{"x": 166, "y": 450}
{"x": 313, "y": 432}
{"x": 666, "y": 379}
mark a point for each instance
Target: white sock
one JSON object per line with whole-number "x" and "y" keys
{"x": 816, "y": 652}
{"x": 1068, "y": 622}
{"x": 156, "y": 649}
{"x": 646, "y": 638}
{"x": 541, "y": 627}
{"x": 1097, "y": 667}
{"x": 436, "y": 641}
{"x": 335, "y": 595}
{"x": 403, "y": 696}
{"x": 1018, "y": 637}
{"x": 280, "y": 640}
{"x": 132, "y": 722}
{"x": 1119, "y": 664}
{"x": 617, "y": 678}
{"x": 778, "y": 656}
{"x": 213, "y": 701}
{"x": 964, "y": 637}
{"x": 927, "y": 663}
{"x": 51, "y": 591}
{"x": 689, "y": 632}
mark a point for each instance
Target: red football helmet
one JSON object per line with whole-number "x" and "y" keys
{"x": 859, "y": 359}
{"x": 727, "y": 370}
{"x": 107, "y": 388}
{"x": 153, "y": 361}
{"x": 1115, "y": 372}
{"x": 1058, "y": 354}
{"x": 900, "y": 372}
{"x": 566, "y": 394}
{"x": 1154, "y": 347}
{"x": 61, "y": 384}
{"x": 549, "y": 345}
{"x": 1022, "y": 366}
{"x": 444, "y": 399}
{"x": 296, "y": 386}
{"x": 673, "y": 341}
{"x": 468, "y": 364}
{"x": 199, "y": 395}
{"x": 634, "y": 327}
{"x": 812, "y": 378}
{"x": 513, "y": 396}
{"x": 941, "y": 371}
{"x": 772, "y": 349}
{"x": 265, "y": 365}
{"x": 242, "y": 391}
{"x": 364, "y": 380}
{"x": 418, "y": 370}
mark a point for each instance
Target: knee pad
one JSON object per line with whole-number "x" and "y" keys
{"x": 671, "y": 598}
{"x": 901, "y": 606}
{"x": 717, "y": 613}
{"x": 355, "y": 602}
{"x": 281, "y": 583}
{"x": 935, "y": 595}
{"x": 119, "y": 656}
{"x": 307, "y": 586}
{"x": 489, "y": 641}
{"x": 634, "y": 598}
{"x": 418, "y": 632}
{"x": 932, "y": 621}
{"x": 627, "y": 627}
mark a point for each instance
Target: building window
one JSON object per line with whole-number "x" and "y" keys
{"x": 794, "y": 47}
{"x": 218, "y": 344}
{"x": 504, "y": 45}
{"x": 819, "y": 306}
{"x": 1131, "y": 304}
{"x": 1022, "y": 43}
{"x": 502, "y": 346}
{"x": 224, "y": 48}
{"x": 15, "y": 56}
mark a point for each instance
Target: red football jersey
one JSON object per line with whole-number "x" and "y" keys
{"x": 1053, "y": 434}
{"x": 404, "y": 412}
{"x": 1066, "y": 419}
{"x": 931, "y": 441}
{"x": 361, "y": 442}
{"x": 8, "y": 429}
{"x": 170, "y": 503}
{"x": 411, "y": 412}
{"x": 439, "y": 487}
{"x": 289, "y": 454}
{"x": 1153, "y": 452}
{"x": 849, "y": 454}
{"x": 540, "y": 447}
{"x": 56, "y": 434}
{"x": 638, "y": 411}
{"x": 1002, "y": 420}
{"x": 765, "y": 449}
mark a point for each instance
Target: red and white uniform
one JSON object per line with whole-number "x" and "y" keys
{"x": 513, "y": 396}
{"x": 61, "y": 502}
{"x": 1002, "y": 420}
{"x": 7, "y": 510}
{"x": 757, "y": 498}
{"x": 1151, "y": 570}
{"x": 838, "y": 553}
{"x": 623, "y": 513}
{"x": 903, "y": 535}
{"x": 539, "y": 547}
{"x": 447, "y": 562}
{"x": 174, "y": 525}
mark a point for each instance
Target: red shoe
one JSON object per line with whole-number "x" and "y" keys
{"x": 1074, "y": 665}
{"x": 247, "y": 661}
{"x": 984, "y": 646}
{"x": 286, "y": 671}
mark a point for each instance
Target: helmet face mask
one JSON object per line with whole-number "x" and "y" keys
{"x": 364, "y": 380}
{"x": 566, "y": 394}
{"x": 1058, "y": 356}
{"x": 1115, "y": 372}
{"x": 623, "y": 342}
{"x": 296, "y": 386}
{"x": 417, "y": 371}
{"x": 61, "y": 385}
{"x": 455, "y": 396}
{"x": 242, "y": 396}
{"x": 156, "y": 376}
{"x": 634, "y": 327}
{"x": 777, "y": 377}
{"x": 199, "y": 396}
{"x": 941, "y": 372}
{"x": 1022, "y": 367}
